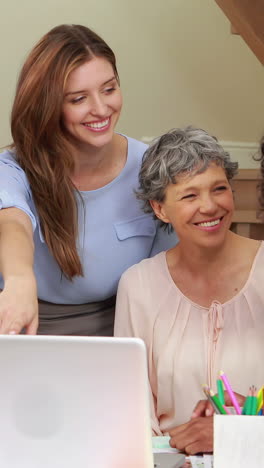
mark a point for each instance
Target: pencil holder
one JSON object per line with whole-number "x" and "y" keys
{"x": 238, "y": 441}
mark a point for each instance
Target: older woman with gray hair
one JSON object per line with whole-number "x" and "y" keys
{"x": 199, "y": 306}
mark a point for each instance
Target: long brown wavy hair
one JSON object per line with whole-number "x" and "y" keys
{"x": 39, "y": 140}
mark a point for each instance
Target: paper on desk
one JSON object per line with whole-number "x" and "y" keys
{"x": 208, "y": 461}
{"x": 201, "y": 461}
{"x": 160, "y": 444}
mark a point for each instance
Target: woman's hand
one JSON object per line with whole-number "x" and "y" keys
{"x": 193, "y": 437}
{"x": 197, "y": 435}
{"x": 204, "y": 407}
{"x": 19, "y": 305}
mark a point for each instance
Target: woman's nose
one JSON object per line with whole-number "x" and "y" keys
{"x": 98, "y": 106}
{"x": 208, "y": 205}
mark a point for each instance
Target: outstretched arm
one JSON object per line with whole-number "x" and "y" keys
{"x": 18, "y": 300}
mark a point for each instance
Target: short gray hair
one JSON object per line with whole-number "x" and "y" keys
{"x": 176, "y": 153}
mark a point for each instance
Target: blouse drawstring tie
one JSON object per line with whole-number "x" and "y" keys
{"x": 215, "y": 326}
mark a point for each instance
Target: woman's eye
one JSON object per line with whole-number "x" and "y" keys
{"x": 78, "y": 99}
{"x": 191, "y": 195}
{"x": 110, "y": 90}
{"x": 221, "y": 188}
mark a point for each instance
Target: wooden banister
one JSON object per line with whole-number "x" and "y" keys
{"x": 247, "y": 18}
{"x": 246, "y": 221}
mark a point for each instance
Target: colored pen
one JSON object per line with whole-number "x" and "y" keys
{"x": 220, "y": 391}
{"x": 254, "y": 401}
{"x": 208, "y": 396}
{"x": 230, "y": 392}
{"x": 217, "y": 403}
{"x": 249, "y": 406}
{"x": 227, "y": 409}
{"x": 260, "y": 399}
{"x": 246, "y": 405}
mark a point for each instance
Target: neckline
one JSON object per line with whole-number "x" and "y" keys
{"x": 84, "y": 193}
{"x": 239, "y": 293}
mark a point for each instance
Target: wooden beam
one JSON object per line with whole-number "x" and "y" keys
{"x": 233, "y": 30}
{"x": 246, "y": 216}
{"x": 247, "y": 17}
{"x": 248, "y": 174}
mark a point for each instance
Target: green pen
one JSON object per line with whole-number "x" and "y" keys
{"x": 254, "y": 405}
{"x": 251, "y": 403}
{"x": 220, "y": 391}
{"x": 245, "y": 407}
{"x": 217, "y": 402}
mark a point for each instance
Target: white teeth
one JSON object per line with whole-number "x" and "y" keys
{"x": 209, "y": 223}
{"x": 102, "y": 124}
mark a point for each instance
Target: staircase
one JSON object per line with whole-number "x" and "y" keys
{"x": 247, "y": 19}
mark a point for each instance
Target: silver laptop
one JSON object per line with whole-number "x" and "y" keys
{"x": 74, "y": 402}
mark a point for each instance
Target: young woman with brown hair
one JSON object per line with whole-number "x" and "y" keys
{"x": 70, "y": 223}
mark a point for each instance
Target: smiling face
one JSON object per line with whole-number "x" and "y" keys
{"x": 199, "y": 207}
{"x": 92, "y": 103}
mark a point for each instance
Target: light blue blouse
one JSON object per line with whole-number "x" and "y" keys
{"x": 114, "y": 233}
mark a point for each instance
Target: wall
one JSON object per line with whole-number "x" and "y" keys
{"x": 177, "y": 60}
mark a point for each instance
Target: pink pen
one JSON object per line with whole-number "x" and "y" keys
{"x": 227, "y": 410}
{"x": 230, "y": 392}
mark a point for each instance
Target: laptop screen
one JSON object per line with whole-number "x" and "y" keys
{"x": 74, "y": 402}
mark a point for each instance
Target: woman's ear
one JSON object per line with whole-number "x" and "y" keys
{"x": 159, "y": 210}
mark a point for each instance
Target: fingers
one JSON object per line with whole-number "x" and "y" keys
{"x": 199, "y": 409}
{"x": 17, "y": 326}
{"x": 9, "y": 326}
{"x": 240, "y": 398}
{"x": 203, "y": 408}
{"x": 194, "y": 436}
{"x": 195, "y": 448}
{"x": 19, "y": 305}
{"x": 177, "y": 431}
{"x": 12, "y": 322}
{"x": 32, "y": 327}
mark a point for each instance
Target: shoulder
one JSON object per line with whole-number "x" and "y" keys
{"x": 9, "y": 157}
{"x": 145, "y": 274}
{"x": 250, "y": 248}
{"x": 252, "y": 253}
{"x": 259, "y": 257}
{"x": 9, "y": 163}
{"x": 139, "y": 294}
{"x": 11, "y": 170}
{"x": 136, "y": 147}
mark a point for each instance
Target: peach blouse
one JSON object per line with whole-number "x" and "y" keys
{"x": 187, "y": 344}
